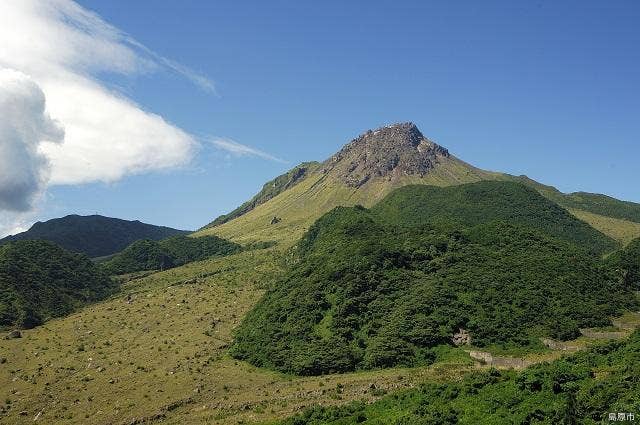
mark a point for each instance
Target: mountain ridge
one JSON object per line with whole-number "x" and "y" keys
{"x": 357, "y": 174}
{"x": 93, "y": 235}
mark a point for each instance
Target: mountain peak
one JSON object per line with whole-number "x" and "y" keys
{"x": 388, "y": 152}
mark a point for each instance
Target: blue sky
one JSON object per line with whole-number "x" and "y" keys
{"x": 548, "y": 89}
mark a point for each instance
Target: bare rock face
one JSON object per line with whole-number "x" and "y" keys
{"x": 462, "y": 337}
{"x": 388, "y": 152}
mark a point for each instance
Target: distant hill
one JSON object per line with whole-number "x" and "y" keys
{"x": 93, "y": 235}
{"x": 165, "y": 254}
{"x": 382, "y": 287}
{"x": 39, "y": 280}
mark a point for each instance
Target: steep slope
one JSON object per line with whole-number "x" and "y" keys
{"x": 617, "y": 219}
{"x": 383, "y": 287}
{"x": 168, "y": 253}
{"x": 627, "y": 263}
{"x": 269, "y": 190}
{"x": 363, "y": 172}
{"x": 377, "y": 162}
{"x": 93, "y": 235}
{"x": 39, "y": 280}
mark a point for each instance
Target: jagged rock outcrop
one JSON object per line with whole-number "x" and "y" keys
{"x": 389, "y": 152}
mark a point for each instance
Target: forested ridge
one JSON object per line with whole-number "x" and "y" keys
{"x": 40, "y": 280}
{"x": 382, "y": 287}
{"x": 167, "y": 253}
{"x": 94, "y": 235}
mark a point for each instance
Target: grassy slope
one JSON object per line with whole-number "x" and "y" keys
{"x": 190, "y": 378}
{"x": 621, "y": 230}
{"x": 161, "y": 353}
{"x": 317, "y": 194}
{"x": 269, "y": 190}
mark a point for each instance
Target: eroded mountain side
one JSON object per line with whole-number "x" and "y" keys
{"x": 391, "y": 152}
{"x": 373, "y": 164}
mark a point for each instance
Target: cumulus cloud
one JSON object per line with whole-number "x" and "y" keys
{"x": 55, "y": 54}
{"x": 62, "y": 47}
{"x": 24, "y": 125}
{"x": 239, "y": 149}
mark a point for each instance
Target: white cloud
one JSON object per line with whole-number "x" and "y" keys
{"x": 239, "y": 149}
{"x": 24, "y": 124}
{"x": 60, "y": 51}
{"x": 62, "y": 47}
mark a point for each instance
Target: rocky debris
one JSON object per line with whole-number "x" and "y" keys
{"x": 559, "y": 345}
{"x": 590, "y": 333}
{"x": 501, "y": 362}
{"x": 388, "y": 152}
{"x": 276, "y": 220}
{"x": 462, "y": 337}
{"x": 623, "y": 325}
{"x": 13, "y": 334}
{"x": 162, "y": 413}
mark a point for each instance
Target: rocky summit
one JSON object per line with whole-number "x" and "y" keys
{"x": 388, "y": 152}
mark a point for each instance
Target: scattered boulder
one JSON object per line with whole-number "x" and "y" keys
{"x": 14, "y": 334}
{"x": 462, "y": 337}
{"x": 275, "y": 220}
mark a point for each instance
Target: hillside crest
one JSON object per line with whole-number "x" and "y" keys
{"x": 390, "y": 151}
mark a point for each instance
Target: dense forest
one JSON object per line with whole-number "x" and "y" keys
{"x": 470, "y": 204}
{"x": 585, "y": 388}
{"x": 382, "y": 287}
{"x": 627, "y": 263}
{"x": 40, "y": 280}
{"x": 94, "y": 235}
{"x": 167, "y": 253}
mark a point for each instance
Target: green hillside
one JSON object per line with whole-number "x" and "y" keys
{"x": 582, "y": 389}
{"x": 627, "y": 263}
{"x": 39, "y": 280}
{"x": 270, "y": 189}
{"x": 167, "y": 253}
{"x": 381, "y": 288}
{"x": 475, "y": 203}
{"x": 94, "y": 235}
